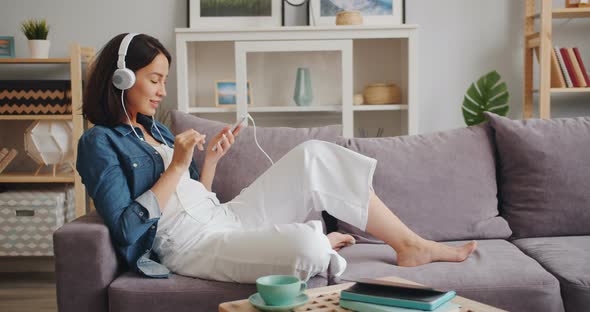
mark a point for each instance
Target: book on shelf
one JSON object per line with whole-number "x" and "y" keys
{"x": 570, "y": 67}
{"x": 396, "y": 294}
{"x": 3, "y": 153}
{"x": 370, "y": 307}
{"x": 582, "y": 66}
{"x": 557, "y": 80}
{"x": 577, "y": 70}
{"x": 7, "y": 159}
{"x": 566, "y": 76}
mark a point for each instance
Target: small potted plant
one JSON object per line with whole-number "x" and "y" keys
{"x": 36, "y": 31}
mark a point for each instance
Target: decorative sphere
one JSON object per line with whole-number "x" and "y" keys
{"x": 49, "y": 142}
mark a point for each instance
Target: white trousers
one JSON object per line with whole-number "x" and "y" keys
{"x": 261, "y": 231}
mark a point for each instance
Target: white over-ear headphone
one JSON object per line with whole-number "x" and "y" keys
{"x": 123, "y": 77}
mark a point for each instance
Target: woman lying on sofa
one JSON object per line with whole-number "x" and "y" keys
{"x": 161, "y": 211}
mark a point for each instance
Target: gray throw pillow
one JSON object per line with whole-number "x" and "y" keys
{"x": 442, "y": 185}
{"x": 544, "y": 175}
{"x": 245, "y": 162}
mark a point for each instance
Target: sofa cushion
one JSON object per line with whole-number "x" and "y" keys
{"x": 245, "y": 162}
{"x": 544, "y": 167}
{"x": 442, "y": 185}
{"x": 131, "y": 292}
{"x": 568, "y": 259}
{"x": 497, "y": 273}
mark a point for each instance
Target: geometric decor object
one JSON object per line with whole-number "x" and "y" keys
{"x": 49, "y": 142}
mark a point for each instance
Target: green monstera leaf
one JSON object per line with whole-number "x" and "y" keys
{"x": 486, "y": 95}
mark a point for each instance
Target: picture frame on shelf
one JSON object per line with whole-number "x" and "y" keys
{"x": 7, "y": 47}
{"x": 226, "y": 93}
{"x": 373, "y": 12}
{"x": 234, "y": 13}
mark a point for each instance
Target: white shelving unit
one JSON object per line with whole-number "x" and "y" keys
{"x": 342, "y": 61}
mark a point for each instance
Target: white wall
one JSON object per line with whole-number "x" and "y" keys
{"x": 459, "y": 41}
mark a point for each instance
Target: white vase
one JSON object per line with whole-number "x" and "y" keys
{"x": 39, "y": 48}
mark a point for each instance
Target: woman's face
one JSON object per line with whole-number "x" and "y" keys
{"x": 149, "y": 88}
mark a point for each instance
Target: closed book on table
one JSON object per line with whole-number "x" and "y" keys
{"x": 396, "y": 294}
{"x": 370, "y": 307}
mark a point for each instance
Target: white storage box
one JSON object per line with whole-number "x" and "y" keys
{"x": 28, "y": 219}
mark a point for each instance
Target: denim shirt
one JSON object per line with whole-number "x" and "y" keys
{"x": 118, "y": 170}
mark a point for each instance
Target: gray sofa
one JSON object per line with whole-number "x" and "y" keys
{"x": 520, "y": 188}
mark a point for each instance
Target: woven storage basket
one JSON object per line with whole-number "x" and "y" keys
{"x": 382, "y": 93}
{"x": 35, "y": 97}
{"x": 349, "y": 18}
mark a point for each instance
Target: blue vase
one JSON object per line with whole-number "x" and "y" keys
{"x": 303, "y": 95}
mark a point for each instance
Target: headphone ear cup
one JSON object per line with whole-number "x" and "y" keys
{"x": 123, "y": 78}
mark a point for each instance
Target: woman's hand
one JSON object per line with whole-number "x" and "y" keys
{"x": 184, "y": 145}
{"x": 223, "y": 140}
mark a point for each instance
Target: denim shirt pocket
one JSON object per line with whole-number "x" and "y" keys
{"x": 142, "y": 169}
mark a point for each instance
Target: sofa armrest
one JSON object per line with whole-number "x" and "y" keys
{"x": 85, "y": 264}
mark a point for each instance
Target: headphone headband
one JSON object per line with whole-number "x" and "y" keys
{"x": 123, "y": 49}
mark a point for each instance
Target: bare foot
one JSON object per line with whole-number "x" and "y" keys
{"x": 339, "y": 240}
{"x": 430, "y": 251}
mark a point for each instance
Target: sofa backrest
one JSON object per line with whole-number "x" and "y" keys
{"x": 245, "y": 162}
{"x": 442, "y": 185}
{"x": 544, "y": 175}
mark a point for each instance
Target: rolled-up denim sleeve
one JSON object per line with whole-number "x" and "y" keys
{"x": 150, "y": 202}
{"x": 98, "y": 164}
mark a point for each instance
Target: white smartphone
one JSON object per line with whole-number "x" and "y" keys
{"x": 239, "y": 122}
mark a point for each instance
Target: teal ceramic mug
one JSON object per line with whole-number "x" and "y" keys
{"x": 278, "y": 290}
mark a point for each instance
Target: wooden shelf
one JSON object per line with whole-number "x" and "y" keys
{"x": 384, "y": 107}
{"x": 566, "y": 13}
{"x": 571, "y": 13}
{"x": 570, "y": 90}
{"x": 34, "y": 61}
{"x": 26, "y": 177}
{"x": 35, "y": 117}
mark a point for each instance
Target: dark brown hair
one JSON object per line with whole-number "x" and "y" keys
{"x": 102, "y": 100}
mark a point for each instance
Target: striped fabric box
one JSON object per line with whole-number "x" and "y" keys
{"x": 29, "y": 218}
{"x": 35, "y": 97}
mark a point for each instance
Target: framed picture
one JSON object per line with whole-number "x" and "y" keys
{"x": 374, "y": 12}
{"x": 226, "y": 94}
{"x": 6, "y": 47}
{"x": 236, "y": 13}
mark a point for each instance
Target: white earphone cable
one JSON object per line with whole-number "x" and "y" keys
{"x": 256, "y": 140}
{"x": 131, "y": 125}
{"x": 128, "y": 119}
{"x": 158, "y": 129}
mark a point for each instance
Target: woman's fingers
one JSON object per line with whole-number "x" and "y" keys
{"x": 230, "y": 137}
{"x": 237, "y": 130}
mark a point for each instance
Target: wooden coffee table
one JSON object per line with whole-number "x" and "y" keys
{"x": 325, "y": 299}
